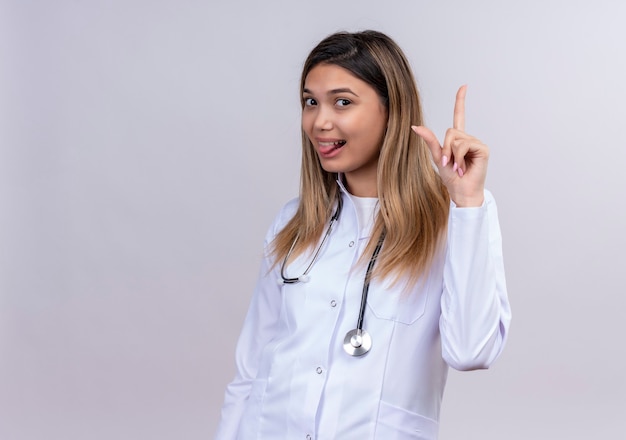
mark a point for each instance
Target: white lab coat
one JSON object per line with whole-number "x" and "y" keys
{"x": 294, "y": 380}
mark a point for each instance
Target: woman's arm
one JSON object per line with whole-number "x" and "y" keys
{"x": 475, "y": 312}
{"x": 259, "y": 329}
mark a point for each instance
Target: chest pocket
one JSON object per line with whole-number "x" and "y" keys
{"x": 397, "y": 303}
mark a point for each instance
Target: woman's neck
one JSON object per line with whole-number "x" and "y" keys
{"x": 361, "y": 186}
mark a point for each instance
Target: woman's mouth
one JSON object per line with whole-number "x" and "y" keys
{"x": 327, "y": 148}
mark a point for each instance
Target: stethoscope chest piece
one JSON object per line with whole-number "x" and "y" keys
{"x": 357, "y": 342}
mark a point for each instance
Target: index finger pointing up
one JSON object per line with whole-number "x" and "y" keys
{"x": 459, "y": 109}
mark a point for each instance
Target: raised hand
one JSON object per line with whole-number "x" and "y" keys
{"x": 462, "y": 161}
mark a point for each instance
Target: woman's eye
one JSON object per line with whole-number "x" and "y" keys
{"x": 309, "y": 102}
{"x": 343, "y": 102}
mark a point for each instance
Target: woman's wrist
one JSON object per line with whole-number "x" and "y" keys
{"x": 473, "y": 201}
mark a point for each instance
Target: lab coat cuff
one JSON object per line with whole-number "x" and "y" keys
{"x": 473, "y": 212}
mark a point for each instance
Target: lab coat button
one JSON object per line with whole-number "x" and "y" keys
{"x": 308, "y": 437}
{"x": 319, "y": 370}
{"x": 351, "y": 244}
{"x": 333, "y": 303}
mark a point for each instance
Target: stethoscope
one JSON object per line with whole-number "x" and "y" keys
{"x": 357, "y": 342}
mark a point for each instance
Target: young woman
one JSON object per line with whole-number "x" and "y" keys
{"x": 384, "y": 272}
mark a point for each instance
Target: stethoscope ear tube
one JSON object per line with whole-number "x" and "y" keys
{"x": 305, "y": 276}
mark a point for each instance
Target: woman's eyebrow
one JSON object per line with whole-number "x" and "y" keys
{"x": 342, "y": 90}
{"x": 333, "y": 91}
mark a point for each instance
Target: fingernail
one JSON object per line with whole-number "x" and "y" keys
{"x": 444, "y": 161}
{"x": 454, "y": 167}
{"x": 460, "y": 170}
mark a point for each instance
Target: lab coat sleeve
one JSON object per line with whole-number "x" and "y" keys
{"x": 258, "y": 329}
{"x": 475, "y": 312}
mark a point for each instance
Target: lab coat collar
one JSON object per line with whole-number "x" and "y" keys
{"x": 342, "y": 185}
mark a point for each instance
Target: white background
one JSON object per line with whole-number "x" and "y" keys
{"x": 145, "y": 147}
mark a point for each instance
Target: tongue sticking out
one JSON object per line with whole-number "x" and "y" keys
{"x": 327, "y": 147}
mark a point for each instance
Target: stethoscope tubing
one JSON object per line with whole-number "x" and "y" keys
{"x": 366, "y": 284}
{"x": 357, "y": 342}
{"x": 304, "y": 276}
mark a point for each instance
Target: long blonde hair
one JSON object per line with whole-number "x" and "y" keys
{"x": 413, "y": 201}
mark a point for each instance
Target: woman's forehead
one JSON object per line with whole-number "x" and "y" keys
{"x": 325, "y": 78}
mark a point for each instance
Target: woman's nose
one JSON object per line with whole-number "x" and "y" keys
{"x": 323, "y": 120}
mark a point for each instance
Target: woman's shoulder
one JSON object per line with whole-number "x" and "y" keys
{"x": 285, "y": 214}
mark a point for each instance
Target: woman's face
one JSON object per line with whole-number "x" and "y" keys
{"x": 345, "y": 120}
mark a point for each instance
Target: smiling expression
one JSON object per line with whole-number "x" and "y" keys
{"x": 345, "y": 120}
